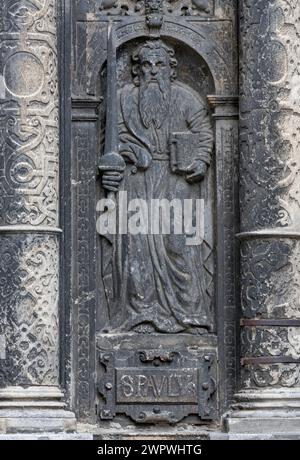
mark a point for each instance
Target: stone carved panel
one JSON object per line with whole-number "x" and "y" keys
{"x": 29, "y": 309}
{"x": 270, "y": 114}
{"x": 159, "y": 282}
{"x": 195, "y": 8}
{"x": 206, "y": 49}
{"x": 84, "y": 253}
{"x": 269, "y": 192}
{"x": 29, "y": 139}
{"x": 210, "y": 40}
{"x": 279, "y": 375}
{"x": 270, "y": 278}
{"x": 156, "y": 384}
{"x": 230, "y": 365}
{"x": 158, "y": 7}
{"x": 29, "y": 113}
{"x": 227, "y": 165}
{"x": 270, "y": 341}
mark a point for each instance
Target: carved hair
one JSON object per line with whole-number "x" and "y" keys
{"x": 152, "y": 45}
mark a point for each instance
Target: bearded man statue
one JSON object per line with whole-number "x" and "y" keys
{"x": 162, "y": 281}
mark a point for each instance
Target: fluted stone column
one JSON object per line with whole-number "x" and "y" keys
{"x": 30, "y": 397}
{"x": 269, "y": 399}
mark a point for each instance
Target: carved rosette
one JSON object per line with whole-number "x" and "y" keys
{"x": 29, "y": 237}
{"x": 270, "y": 204}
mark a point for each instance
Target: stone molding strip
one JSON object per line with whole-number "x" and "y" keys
{"x": 216, "y": 100}
{"x": 226, "y": 106}
{"x": 269, "y": 360}
{"x": 270, "y": 322}
{"x": 29, "y": 229}
{"x": 269, "y": 233}
{"x": 85, "y": 109}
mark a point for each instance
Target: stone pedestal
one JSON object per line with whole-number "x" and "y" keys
{"x": 269, "y": 399}
{"x": 30, "y": 398}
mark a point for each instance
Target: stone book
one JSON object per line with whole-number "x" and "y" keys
{"x": 183, "y": 146}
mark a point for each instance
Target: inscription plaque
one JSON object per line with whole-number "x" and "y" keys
{"x": 157, "y": 385}
{"x": 164, "y": 384}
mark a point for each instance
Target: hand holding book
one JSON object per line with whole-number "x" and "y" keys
{"x": 184, "y": 159}
{"x": 196, "y": 171}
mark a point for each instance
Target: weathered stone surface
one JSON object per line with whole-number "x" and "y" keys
{"x": 265, "y": 425}
{"x": 29, "y": 242}
{"x": 269, "y": 188}
{"x": 204, "y": 38}
{"x": 270, "y": 277}
{"x": 270, "y": 219}
{"x": 34, "y": 409}
{"x": 270, "y": 341}
{"x": 30, "y": 398}
{"x": 165, "y": 135}
{"x": 158, "y": 361}
{"x": 203, "y": 8}
{"x": 269, "y": 110}
{"x": 162, "y": 384}
{"x": 27, "y": 420}
{"x": 29, "y": 114}
{"x": 46, "y": 436}
{"x": 29, "y": 309}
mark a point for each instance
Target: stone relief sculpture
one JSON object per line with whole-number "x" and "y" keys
{"x": 178, "y": 7}
{"x": 144, "y": 299}
{"x": 165, "y": 140}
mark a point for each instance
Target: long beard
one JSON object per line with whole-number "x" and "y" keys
{"x": 154, "y": 101}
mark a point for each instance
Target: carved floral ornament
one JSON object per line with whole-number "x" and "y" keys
{"x": 157, "y": 7}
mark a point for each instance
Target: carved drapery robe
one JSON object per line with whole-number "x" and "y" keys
{"x": 162, "y": 282}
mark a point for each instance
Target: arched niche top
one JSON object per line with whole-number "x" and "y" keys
{"x": 203, "y": 42}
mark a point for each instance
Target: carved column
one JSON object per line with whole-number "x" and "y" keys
{"x": 269, "y": 400}
{"x": 30, "y": 398}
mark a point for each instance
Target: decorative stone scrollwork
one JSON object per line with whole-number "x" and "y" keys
{"x": 29, "y": 309}
{"x": 270, "y": 203}
{"x": 270, "y": 278}
{"x": 140, "y": 7}
{"x": 271, "y": 376}
{"x": 272, "y": 341}
{"x": 29, "y": 148}
{"x": 29, "y": 114}
{"x": 269, "y": 115}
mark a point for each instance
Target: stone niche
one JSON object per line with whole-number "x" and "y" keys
{"x": 156, "y": 336}
{"x": 167, "y": 383}
{"x": 99, "y": 97}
